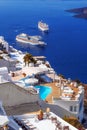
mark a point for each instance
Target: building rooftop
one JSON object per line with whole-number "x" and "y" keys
{"x": 39, "y": 57}
{"x": 22, "y": 109}
{"x": 3, "y": 117}
{"x": 49, "y": 120}
{"x": 2, "y": 111}
{"x": 3, "y": 120}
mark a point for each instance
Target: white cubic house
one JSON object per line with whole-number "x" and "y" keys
{"x": 71, "y": 99}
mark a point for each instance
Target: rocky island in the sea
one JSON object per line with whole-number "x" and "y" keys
{"x": 80, "y": 12}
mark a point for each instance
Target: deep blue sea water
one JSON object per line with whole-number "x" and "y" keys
{"x": 66, "y": 48}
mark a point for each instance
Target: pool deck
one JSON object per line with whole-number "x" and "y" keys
{"x": 56, "y": 91}
{"x": 34, "y": 108}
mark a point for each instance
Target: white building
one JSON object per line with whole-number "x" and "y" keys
{"x": 4, "y": 75}
{"x": 71, "y": 99}
{"x": 3, "y": 117}
{"x": 5, "y": 121}
{"x": 4, "y": 44}
{"x": 8, "y": 62}
{"x": 32, "y": 121}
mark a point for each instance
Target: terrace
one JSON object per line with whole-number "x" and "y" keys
{"x": 65, "y": 91}
{"x": 48, "y": 121}
{"x": 61, "y": 89}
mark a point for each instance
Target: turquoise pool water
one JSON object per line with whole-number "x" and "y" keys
{"x": 44, "y": 91}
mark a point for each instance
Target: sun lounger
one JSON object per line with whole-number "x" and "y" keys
{"x": 66, "y": 128}
{"x": 53, "y": 119}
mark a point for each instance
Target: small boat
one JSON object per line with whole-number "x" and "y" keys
{"x": 43, "y": 26}
{"x": 33, "y": 40}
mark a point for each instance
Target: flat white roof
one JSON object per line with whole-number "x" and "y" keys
{"x": 34, "y": 70}
{"x": 3, "y": 120}
{"x": 31, "y": 121}
{"x": 3, "y": 70}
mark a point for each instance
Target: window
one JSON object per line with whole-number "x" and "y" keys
{"x": 71, "y": 108}
{"x": 75, "y": 108}
{"x": 81, "y": 106}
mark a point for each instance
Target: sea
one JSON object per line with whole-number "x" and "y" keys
{"x": 66, "y": 48}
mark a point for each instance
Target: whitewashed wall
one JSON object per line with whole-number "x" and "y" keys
{"x": 11, "y": 94}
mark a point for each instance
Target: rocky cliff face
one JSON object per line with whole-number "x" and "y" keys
{"x": 80, "y": 12}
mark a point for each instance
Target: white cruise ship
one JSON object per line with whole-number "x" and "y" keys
{"x": 43, "y": 26}
{"x": 33, "y": 40}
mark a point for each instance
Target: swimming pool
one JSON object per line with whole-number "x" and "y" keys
{"x": 44, "y": 91}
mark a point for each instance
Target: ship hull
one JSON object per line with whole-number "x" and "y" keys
{"x": 46, "y": 29}
{"x": 29, "y": 42}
